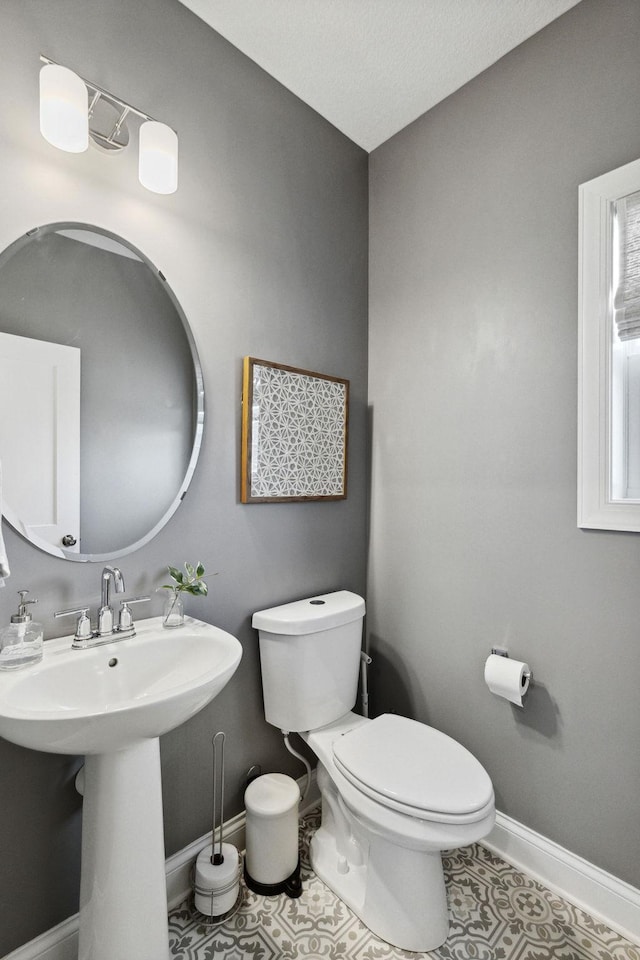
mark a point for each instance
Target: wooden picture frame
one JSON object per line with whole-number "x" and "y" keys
{"x": 294, "y": 434}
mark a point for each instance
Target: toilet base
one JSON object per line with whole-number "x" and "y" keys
{"x": 398, "y": 893}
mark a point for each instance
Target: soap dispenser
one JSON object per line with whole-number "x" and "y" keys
{"x": 21, "y": 641}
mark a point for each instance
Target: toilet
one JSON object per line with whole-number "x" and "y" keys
{"x": 395, "y": 792}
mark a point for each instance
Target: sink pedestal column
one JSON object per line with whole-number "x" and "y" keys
{"x": 123, "y": 893}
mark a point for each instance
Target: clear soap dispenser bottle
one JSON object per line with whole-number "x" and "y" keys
{"x": 21, "y": 641}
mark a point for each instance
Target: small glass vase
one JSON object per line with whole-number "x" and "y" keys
{"x": 173, "y": 613}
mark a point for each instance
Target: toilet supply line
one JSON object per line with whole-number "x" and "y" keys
{"x": 365, "y": 660}
{"x": 299, "y": 756}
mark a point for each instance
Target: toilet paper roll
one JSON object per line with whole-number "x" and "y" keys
{"x": 507, "y": 678}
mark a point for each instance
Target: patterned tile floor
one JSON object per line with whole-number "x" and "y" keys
{"x": 497, "y": 913}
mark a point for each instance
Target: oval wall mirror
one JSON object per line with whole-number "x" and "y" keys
{"x": 101, "y": 393}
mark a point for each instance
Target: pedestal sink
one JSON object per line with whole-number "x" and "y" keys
{"x": 112, "y": 703}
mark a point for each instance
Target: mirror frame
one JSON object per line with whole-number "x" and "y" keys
{"x": 8, "y": 513}
{"x": 596, "y": 507}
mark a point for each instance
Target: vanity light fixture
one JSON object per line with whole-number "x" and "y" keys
{"x": 63, "y": 109}
{"x": 74, "y": 110}
{"x": 158, "y": 157}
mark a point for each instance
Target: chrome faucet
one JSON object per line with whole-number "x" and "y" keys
{"x": 106, "y": 631}
{"x": 105, "y": 614}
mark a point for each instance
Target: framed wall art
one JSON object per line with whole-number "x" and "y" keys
{"x": 294, "y": 434}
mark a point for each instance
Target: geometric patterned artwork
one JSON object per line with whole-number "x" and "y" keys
{"x": 495, "y": 911}
{"x": 294, "y": 434}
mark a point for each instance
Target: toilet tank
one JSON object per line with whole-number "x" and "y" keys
{"x": 310, "y": 659}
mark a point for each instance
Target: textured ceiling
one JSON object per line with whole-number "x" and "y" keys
{"x": 370, "y": 67}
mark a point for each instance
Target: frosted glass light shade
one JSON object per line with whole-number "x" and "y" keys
{"x": 158, "y": 159}
{"x": 63, "y": 108}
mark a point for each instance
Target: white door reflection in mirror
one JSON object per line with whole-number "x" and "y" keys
{"x": 40, "y": 437}
{"x": 609, "y": 351}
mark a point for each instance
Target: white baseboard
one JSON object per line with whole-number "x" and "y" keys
{"x": 61, "y": 941}
{"x": 615, "y": 903}
{"x": 58, "y": 943}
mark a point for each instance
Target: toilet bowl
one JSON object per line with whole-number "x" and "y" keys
{"x": 395, "y": 792}
{"x": 382, "y": 860}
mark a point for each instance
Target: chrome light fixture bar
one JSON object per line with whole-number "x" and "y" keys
{"x": 74, "y": 110}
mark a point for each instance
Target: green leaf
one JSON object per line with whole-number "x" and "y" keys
{"x": 190, "y": 582}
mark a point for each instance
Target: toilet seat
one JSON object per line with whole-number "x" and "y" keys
{"x": 415, "y": 769}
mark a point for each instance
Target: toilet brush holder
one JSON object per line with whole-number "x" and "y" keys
{"x": 216, "y": 887}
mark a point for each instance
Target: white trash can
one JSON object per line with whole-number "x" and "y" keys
{"x": 272, "y": 862}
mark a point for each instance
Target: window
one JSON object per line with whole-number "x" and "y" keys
{"x": 609, "y": 351}
{"x": 625, "y": 350}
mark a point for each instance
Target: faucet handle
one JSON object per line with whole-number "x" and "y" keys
{"x": 125, "y": 619}
{"x": 83, "y": 626}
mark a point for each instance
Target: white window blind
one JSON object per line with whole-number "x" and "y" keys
{"x": 627, "y": 296}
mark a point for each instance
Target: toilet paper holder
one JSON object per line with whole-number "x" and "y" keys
{"x": 503, "y": 652}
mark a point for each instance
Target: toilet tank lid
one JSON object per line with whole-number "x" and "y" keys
{"x": 311, "y": 615}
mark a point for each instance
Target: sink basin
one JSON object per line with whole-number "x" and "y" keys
{"x": 106, "y": 697}
{"x": 112, "y": 703}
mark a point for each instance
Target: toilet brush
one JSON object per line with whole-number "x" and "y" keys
{"x": 217, "y": 893}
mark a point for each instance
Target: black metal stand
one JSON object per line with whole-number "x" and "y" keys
{"x": 292, "y": 886}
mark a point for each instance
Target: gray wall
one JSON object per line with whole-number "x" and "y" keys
{"x": 473, "y": 360}
{"x": 264, "y": 245}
